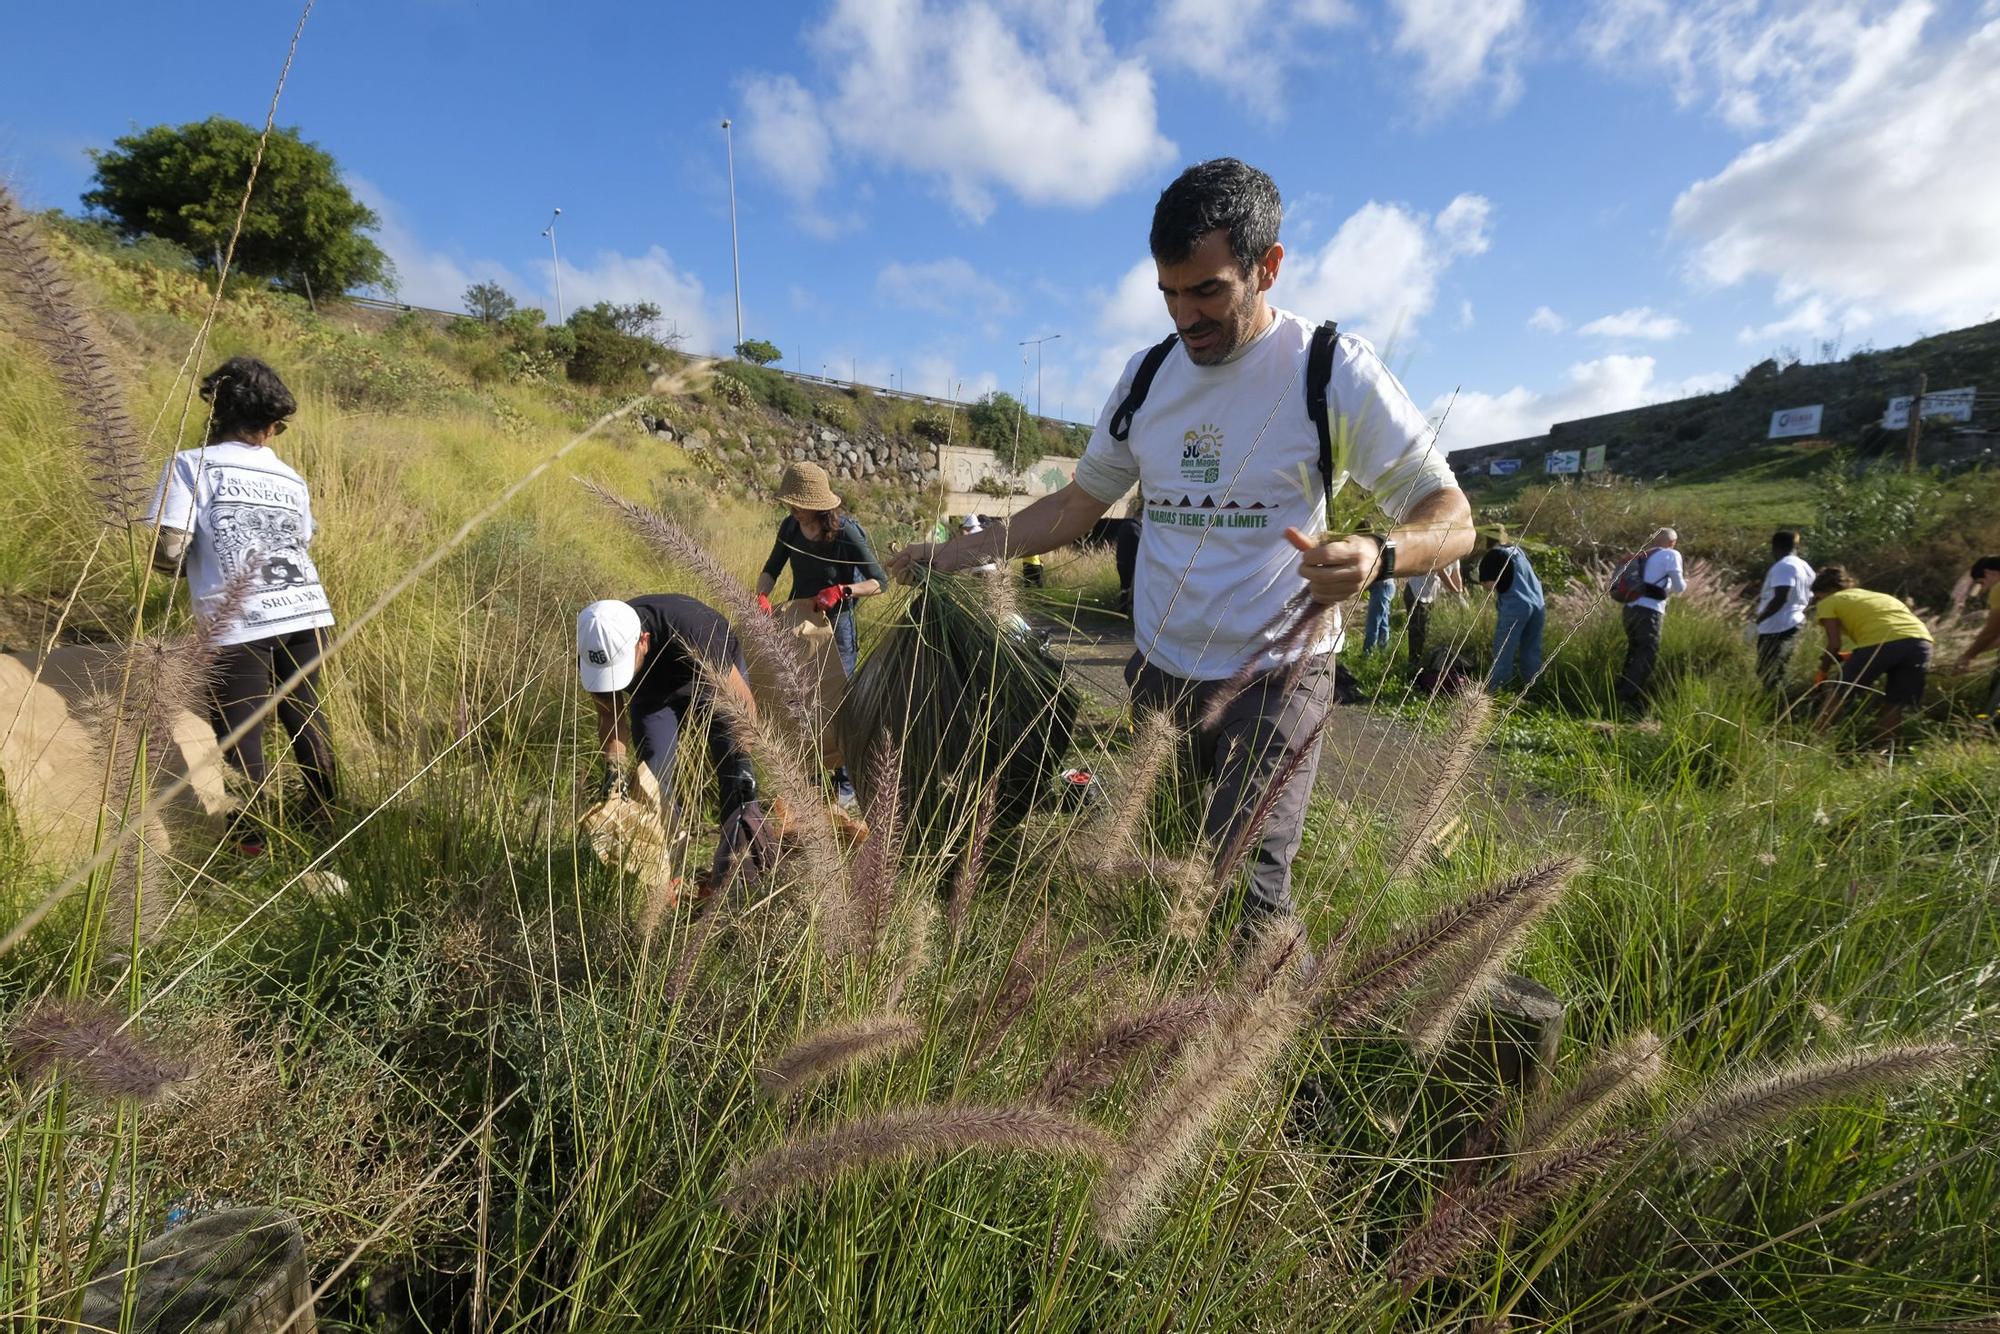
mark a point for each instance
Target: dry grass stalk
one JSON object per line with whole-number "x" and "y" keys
{"x": 972, "y": 862}
{"x": 760, "y": 633}
{"x": 889, "y": 1138}
{"x": 1467, "y": 733}
{"x": 31, "y": 281}
{"x": 1016, "y": 989}
{"x": 829, "y": 1050}
{"x": 1611, "y": 1082}
{"x": 1152, "y": 750}
{"x": 1085, "y": 1070}
{"x": 873, "y": 874}
{"x": 698, "y": 934}
{"x": 1243, "y": 1043}
{"x": 1379, "y": 977}
{"x": 1461, "y": 1223}
{"x": 919, "y": 920}
{"x": 1295, "y": 625}
{"x": 92, "y": 1046}
{"x": 1745, "y": 1108}
{"x": 1463, "y": 975}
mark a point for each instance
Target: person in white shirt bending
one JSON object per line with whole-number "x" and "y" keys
{"x": 1236, "y": 429}
{"x": 241, "y": 520}
{"x": 1661, "y": 577}
{"x": 1781, "y": 607}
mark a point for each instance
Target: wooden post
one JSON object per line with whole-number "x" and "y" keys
{"x": 1916, "y": 423}
{"x": 1507, "y": 1048}
{"x": 242, "y": 1271}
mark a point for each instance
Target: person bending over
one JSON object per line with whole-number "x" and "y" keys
{"x": 1885, "y": 638}
{"x": 1985, "y": 585}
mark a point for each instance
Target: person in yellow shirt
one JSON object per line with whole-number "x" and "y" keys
{"x": 1886, "y": 640}
{"x": 1985, "y": 583}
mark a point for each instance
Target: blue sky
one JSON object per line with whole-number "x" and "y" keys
{"x": 1546, "y": 209}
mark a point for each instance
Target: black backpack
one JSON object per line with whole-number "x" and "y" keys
{"x": 1319, "y": 371}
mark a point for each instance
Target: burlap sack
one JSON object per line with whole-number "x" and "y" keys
{"x": 629, "y": 835}
{"x": 812, "y": 634}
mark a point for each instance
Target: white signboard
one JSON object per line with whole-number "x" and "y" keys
{"x": 1562, "y": 460}
{"x": 1950, "y": 404}
{"x": 1593, "y": 459}
{"x": 1795, "y": 421}
{"x": 1503, "y": 467}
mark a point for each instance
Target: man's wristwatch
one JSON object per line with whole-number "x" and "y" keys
{"x": 1385, "y": 559}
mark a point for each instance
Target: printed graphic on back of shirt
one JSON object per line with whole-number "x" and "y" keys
{"x": 265, "y": 543}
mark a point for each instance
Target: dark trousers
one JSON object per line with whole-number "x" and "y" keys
{"x": 1125, "y": 552}
{"x": 1420, "y": 630}
{"x": 244, "y": 679}
{"x": 657, "y": 736}
{"x": 1642, "y": 649}
{"x": 1774, "y": 654}
{"x": 1259, "y": 728}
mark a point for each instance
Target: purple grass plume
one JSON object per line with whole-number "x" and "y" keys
{"x": 888, "y": 1139}
{"x": 1464, "y": 975}
{"x": 1463, "y": 740}
{"x": 1383, "y": 975}
{"x": 1616, "y": 1079}
{"x": 972, "y": 861}
{"x": 56, "y": 322}
{"x": 872, "y": 877}
{"x": 1096, "y": 1064}
{"x": 93, "y": 1046}
{"x": 1289, "y": 767}
{"x": 1727, "y": 1117}
{"x": 827, "y": 1051}
{"x": 1295, "y": 627}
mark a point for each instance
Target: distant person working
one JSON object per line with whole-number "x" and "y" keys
{"x": 1659, "y": 575}
{"x": 241, "y": 519}
{"x": 1216, "y": 425}
{"x": 1986, "y": 586}
{"x": 1781, "y": 607}
{"x": 1520, "y": 611}
{"x": 1885, "y": 639}
{"x": 647, "y": 664}
{"x": 1420, "y": 595}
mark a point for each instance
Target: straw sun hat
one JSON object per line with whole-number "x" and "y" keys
{"x": 805, "y": 486}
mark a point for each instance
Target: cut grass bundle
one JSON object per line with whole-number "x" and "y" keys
{"x": 969, "y": 699}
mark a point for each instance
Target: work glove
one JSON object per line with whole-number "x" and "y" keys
{"x": 613, "y": 782}
{"x": 764, "y": 604}
{"x": 828, "y": 599}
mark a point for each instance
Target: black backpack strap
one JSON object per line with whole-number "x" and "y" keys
{"x": 1319, "y": 371}
{"x": 1142, "y": 382}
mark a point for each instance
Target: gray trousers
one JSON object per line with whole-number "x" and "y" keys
{"x": 1259, "y": 728}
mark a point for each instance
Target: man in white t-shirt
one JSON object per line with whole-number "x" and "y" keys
{"x": 1228, "y": 463}
{"x": 1661, "y": 576}
{"x": 1781, "y": 607}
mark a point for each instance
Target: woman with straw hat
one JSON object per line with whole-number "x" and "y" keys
{"x": 832, "y": 563}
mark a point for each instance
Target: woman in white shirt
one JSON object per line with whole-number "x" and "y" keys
{"x": 240, "y": 520}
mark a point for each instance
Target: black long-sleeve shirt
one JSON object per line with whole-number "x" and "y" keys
{"x": 844, "y": 558}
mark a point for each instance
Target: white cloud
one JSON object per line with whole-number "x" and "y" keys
{"x": 1756, "y": 61}
{"x": 426, "y": 277}
{"x": 1545, "y": 320}
{"x": 1026, "y": 97}
{"x": 1638, "y": 322}
{"x": 1462, "y": 45}
{"x": 1465, "y": 314}
{"x": 1883, "y": 192}
{"x": 1608, "y": 384}
{"x": 1812, "y": 318}
{"x": 1228, "y": 42}
{"x": 624, "y": 279}
{"x": 947, "y": 287}
{"x": 1379, "y": 274}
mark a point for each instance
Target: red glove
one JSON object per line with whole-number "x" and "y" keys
{"x": 764, "y": 603}
{"x": 830, "y": 597}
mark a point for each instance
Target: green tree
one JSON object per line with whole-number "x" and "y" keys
{"x": 996, "y": 422}
{"x": 612, "y": 343}
{"x": 303, "y": 230}
{"x": 489, "y": 303}
{"x": 759, "y": 351}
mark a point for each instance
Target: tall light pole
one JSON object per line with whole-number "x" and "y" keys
{"x": 735, "y": 256}
{"x": 1037, "y": 343}
{"x": 550, "y": 232}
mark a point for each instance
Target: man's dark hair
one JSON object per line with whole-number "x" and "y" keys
{"x": 246, "y": 395}
{"x": 1785, "y": 541}
{"x": 1219, "y": 193}
{"x": 1832, "y": 579}
{"x": 1984, "y": 564}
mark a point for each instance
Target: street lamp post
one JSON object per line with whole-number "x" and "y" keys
{"x": 735, "y": 255}
{"x": 550, "y": 232}
{"x": 1037, "y": 344}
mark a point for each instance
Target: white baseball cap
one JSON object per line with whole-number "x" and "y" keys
{"x": 606, "y": 634}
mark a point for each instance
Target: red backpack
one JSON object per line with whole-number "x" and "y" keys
{"x": 1630, "y": 581}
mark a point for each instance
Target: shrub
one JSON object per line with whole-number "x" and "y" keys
{"x": 834, "y": 413}
{"x": 612, "y": 344}
{"x": 759, "y": 351}
{"x": 932, "y": 426}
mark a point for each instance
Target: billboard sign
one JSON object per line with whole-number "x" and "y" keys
{"x": 1795, "y": 421}
{"x": 1950, "y": 404}
{"x": 1562, "y": 461}
{"x": 1503, "y": 467}
{"x": 1593, "y": 459}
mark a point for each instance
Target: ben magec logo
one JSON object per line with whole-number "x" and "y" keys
{"x": 1201, "y": 455}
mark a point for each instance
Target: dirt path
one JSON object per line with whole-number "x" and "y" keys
{"x": 1368, "y": 758}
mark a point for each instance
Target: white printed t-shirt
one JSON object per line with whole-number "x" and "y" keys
{"x": 245, "y": 510}
{"x": 1226, "y": 459}
{"x": 1786, "y": 570}
{"x": 1663, "y": 567}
